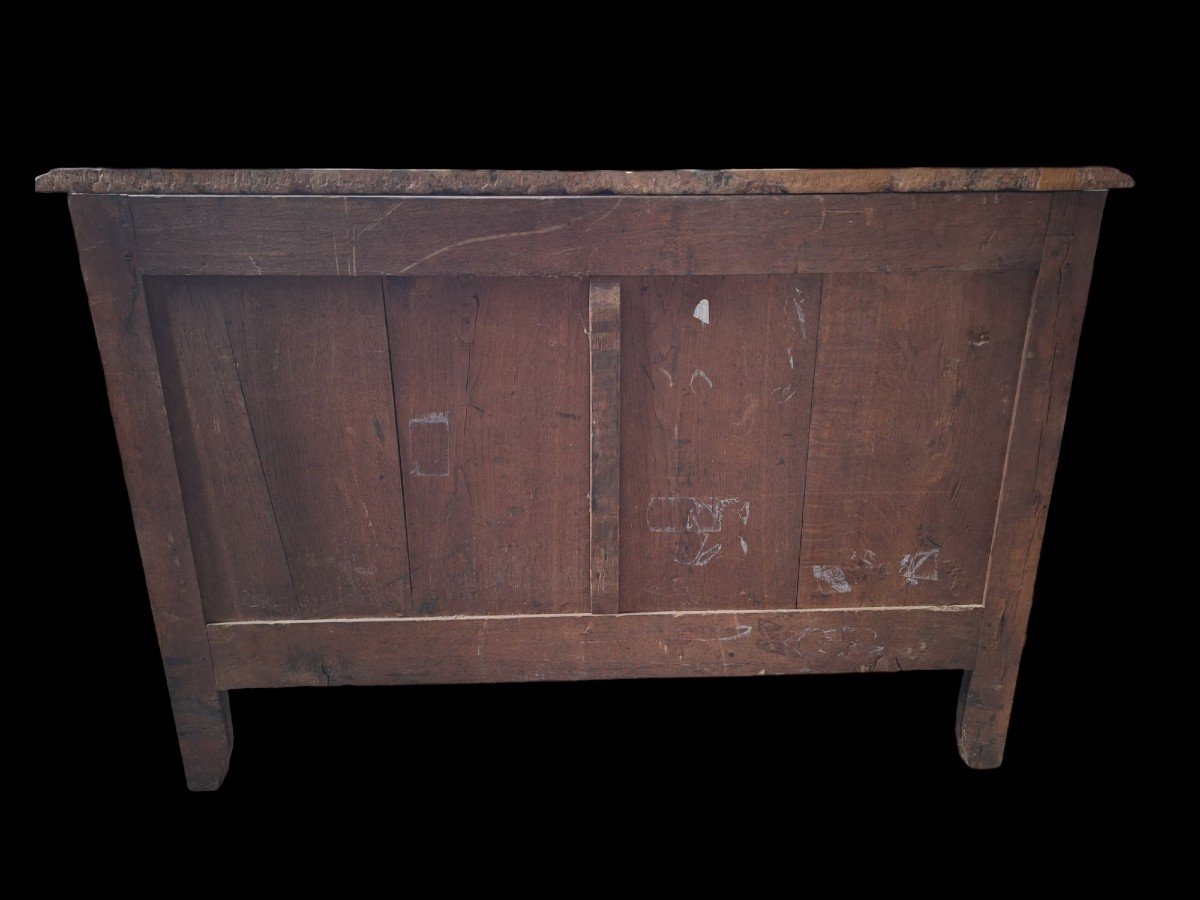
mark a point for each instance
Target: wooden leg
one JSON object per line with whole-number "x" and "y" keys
{"x": 982, "y": 727}
{"x": 205, "y": 739}
{"x": 1040, "y": 408}
{"x": 108, "y": 256}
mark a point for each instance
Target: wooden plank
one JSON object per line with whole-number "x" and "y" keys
{"x": 915, "y": 380}
{"x": 492, "y": 182}
{"x": 104, "y": 234}
{"x": 312, "y": 365}
{"x": 604, "y": 335}
{"x": 491, "y": 392}
{"x": 240, "y": 561}
{"x": 578, "y": 647}
{"x": 1055, "y": 321}
{"x": 573, "y": 235}
{"x": 715, "y": 427}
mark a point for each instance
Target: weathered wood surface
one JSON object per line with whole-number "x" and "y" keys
{"x": 911, "y": 409}
{"x": 241, "y": 564}
{"x": 322, "y": 446}
{"x": 303, "y": 375}
{"x": 604, "y": 335}
{"x": 571, "y": 236}
{"x": 579, "y": 647}
{"x": 1051, "y": 343}
{"x": 104, "y": 234}
{"x": 491, "y": 393}
{"x": 716, "y": 387}
{"x": 500, "y": 182}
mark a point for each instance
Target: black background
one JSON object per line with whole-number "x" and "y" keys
{"x": 665, "y": 744}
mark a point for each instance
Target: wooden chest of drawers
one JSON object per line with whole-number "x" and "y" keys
{"x": 411, "y": 426}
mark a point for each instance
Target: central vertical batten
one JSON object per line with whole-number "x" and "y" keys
{"x": 604, "y": 336}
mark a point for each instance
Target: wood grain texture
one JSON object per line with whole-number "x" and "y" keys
{"x": 1060, "y": 298}
{"x": 498, "y": 367}
{"x": 576, "y": 647}
{"x": 576, "y": 235}
{"x": 104, "y": 234}
{"x": 312, "y": 365}
{"x": 499, "y": 182}
{"x": 714, "y": 431}
{"x": 604, "y": 335}
{"x": 911, "y": 409}
{"x": 356, "y": 429}
{"x": 241, "y": 565}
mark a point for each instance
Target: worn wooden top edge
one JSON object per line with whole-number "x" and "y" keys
{"x": 513, "y": 183}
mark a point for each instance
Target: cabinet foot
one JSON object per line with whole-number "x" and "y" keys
{"x": 205, "y": 741}
{"x": 982, "y": 727}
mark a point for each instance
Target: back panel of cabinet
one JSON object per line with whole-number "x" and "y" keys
{"x": 358, "y": 447}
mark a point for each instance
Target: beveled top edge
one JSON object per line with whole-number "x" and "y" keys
{"x": 514, "y": 183}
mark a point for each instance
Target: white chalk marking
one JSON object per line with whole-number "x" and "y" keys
{"x": 745, "y": 546}
{"x": 868, "y": 560}
{"x": 798, "y": 303}
{"x": 832, "y": 576}
{"x": 920, "y": 566}
{"x": 699, "y": 373}
{"x": 704, "y": 557}
{"x": 791, "y": 359}
{"x": 701, "y": 311}
{"x": 677, "y": 515}
{"x": 783, "y": 394}
{"x": 431, "y": 418}
{"x": 432, "y": 468}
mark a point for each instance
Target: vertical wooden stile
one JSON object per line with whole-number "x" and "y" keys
{"x": 604, "y": 336}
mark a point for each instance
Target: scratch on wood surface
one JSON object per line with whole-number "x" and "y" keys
{"x": 387, "y": 212}
{"x": 604, "y": 215}
{"x": 751, "y": 406}
{"x": 484, "y": 239}
{"x": 740, "y": 631}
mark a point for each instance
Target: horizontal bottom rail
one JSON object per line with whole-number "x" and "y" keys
{"x": 583, "y": 646}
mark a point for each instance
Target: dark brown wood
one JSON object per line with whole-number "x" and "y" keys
{"x": 492, "y": 182}
{"x": 604, "y": 333}
{"x": 425, "y": 439}
{"x": 1040, "y": 409}
{"x": 104, "y": 235}
{"x": 313, "y": 389}
{"x": 575, "y": 235}
{"x": 491, "y": 393}
{"x": 241, "y": 565}
{"x": 915, "y": 379}
{"x": 719, "y": 414}
{"x": 576, "y": 647}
